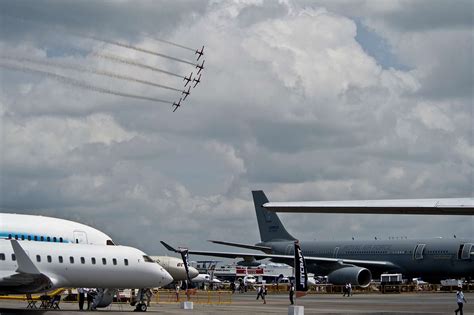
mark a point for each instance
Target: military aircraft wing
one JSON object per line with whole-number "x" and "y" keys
{"x": 440, "y": 206}
{"x": 288, "y": 258}
{"x": 246, "y": 246}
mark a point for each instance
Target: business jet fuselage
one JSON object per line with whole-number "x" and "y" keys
{"x": 28, "y": 267}
{"x": 55, "y": 230}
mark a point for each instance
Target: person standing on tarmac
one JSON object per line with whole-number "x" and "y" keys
{"x": 264, "y": 294}
{"x": 177, "y": 292}
{"x": 460, "y": 300}
{"x": 80, "y": 292}
{"x": 292, "y": 292}
{"x": 260, "y": 292}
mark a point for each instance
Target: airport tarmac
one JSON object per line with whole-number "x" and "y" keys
{"x": 388, "y": 304}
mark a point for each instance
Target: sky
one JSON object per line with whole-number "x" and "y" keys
{"x": 307, "y": 100}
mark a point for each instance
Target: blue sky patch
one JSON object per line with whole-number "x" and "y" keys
{"x": 378, "y": 48}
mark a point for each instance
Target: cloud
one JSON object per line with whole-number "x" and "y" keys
{"x": 290, "y": 102}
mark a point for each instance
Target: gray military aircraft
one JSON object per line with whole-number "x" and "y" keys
{"x": 355, "y": 261}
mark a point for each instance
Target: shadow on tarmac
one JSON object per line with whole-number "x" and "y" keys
{"x": 8, "y": 311}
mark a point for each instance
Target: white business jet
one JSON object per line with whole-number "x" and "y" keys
{"x": 48, "y": 229}
{"x": 29, "y": 267}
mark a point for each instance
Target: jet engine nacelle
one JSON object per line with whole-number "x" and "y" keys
{"x": 353, "y": 275}
{"x": 104, "y": 297}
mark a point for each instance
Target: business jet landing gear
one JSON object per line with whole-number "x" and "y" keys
{"x": 139, "y": 301}
{"x": 140, "y": 307}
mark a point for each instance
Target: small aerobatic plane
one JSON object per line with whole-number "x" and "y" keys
{"x": 176, "y": 105}
{"x": 186, "y": 93}
{"x": 197, "y": 81}
{"x": 200, "y": 67}
{"x": 199, "y": 53}
{"x": 188, "y": 79}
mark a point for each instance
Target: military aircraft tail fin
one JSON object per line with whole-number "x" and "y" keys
{"x": 270, "y": 226}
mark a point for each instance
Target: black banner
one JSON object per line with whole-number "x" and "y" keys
{"x": 301, "y": 275}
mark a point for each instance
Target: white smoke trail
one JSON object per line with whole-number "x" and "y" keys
{"x": 79, "y": 83}
{"x": 171, "y": 43}
{"x": 135, "y": 63}
{"x": 120, "y": 44}
{"x": 88, "y": 70}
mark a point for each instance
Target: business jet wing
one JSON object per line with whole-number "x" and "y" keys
{"x": 289, "y": 258}
{"x": 27, "y": 276}
{"x": 441, "y": 206}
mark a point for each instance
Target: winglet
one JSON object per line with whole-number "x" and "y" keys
{"x": 25, "y": 265}
{"x": 168, "y": 247}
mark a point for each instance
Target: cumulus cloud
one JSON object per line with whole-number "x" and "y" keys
{"x": 290, "y": 101}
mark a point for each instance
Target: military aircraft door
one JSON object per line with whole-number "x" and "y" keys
{"x": 465, "y": 251}
{"x": 418, "y": 253}
{"x": 336, "y": 251}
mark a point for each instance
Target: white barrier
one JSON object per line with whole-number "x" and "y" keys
{"x": 295, "y": 310}
{"x": 187, "y": 305}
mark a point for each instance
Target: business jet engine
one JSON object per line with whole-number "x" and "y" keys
{"x": 351, "y": 274}
{"x": 104, "y": 297}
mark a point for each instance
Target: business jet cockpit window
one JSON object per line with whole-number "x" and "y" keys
{"x": 148, "y": 259}
{"x": 110, "y": 242}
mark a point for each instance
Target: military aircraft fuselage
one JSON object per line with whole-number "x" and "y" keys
{"x": 430, "y": 259}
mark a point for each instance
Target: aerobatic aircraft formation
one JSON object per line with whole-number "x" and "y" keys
{"x": 190, "y": 79}
{"x": 154, "y": 72}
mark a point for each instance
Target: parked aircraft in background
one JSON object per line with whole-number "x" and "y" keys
{"x": 47, "y": 229}
{"x": 250, "y": 279}
{"x": 206, "y": 278}
{"x": 30, "y": 267}
{"x": 355, "y": 261}
{"x": 175, "y": 267}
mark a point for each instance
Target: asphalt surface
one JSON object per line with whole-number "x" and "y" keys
{"x": 387, "y": 304}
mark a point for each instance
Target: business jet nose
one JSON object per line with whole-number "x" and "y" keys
{"x": 164, "y": 277}
{"x": 167, "y": 278}
{"x": 193, "y": 273}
